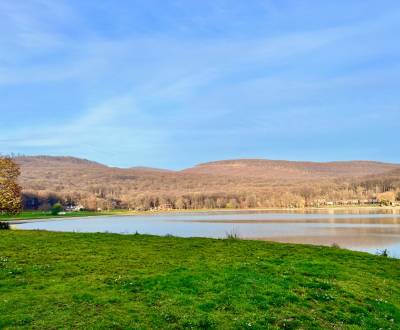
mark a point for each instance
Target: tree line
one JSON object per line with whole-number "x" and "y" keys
{"x": 297, "y": 198}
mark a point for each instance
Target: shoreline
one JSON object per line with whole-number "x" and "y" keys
{"x": 13, "y": 221}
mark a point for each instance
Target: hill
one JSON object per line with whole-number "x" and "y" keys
{"x": 229, "y": 183}
{"x": 283, "y": 170}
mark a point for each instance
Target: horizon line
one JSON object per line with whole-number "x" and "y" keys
{"x": 12, "y": 155}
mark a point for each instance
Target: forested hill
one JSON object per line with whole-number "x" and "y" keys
{"x": 283, "y": 169}
{"x": 228, "y": 183}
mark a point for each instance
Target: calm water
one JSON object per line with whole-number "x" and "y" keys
{"x": 369, "y": 231}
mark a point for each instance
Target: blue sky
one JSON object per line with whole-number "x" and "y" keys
{"x": 174, "y": 83}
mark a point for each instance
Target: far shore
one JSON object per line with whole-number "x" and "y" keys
{"x": 36, "y": 216}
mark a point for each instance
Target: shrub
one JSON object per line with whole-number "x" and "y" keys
{"x": 383, "y": 253}
{"x": 56, "y": 208}
{"x": 4, "y": 225}
{"x": 232, "y": 235}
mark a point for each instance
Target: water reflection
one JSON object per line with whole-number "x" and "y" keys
{"x": 363, "y": 230}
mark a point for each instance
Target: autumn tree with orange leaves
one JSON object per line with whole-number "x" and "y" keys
{"x": 10, "y": 191}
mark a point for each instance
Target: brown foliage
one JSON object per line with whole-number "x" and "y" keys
{"x": 10, "y": 191}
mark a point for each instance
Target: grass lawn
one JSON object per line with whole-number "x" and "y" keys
{"x": 70, "y": 280}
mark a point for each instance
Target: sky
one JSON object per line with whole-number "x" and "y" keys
{"x": 173, "y": 83}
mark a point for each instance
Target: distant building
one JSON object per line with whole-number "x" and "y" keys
{"x": 165, "y": 206}
{"x": 74, "y": 208}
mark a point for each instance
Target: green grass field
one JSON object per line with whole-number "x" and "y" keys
{"x": 69, "y": 280}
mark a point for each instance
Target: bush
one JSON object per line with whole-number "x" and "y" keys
{"x": 4, "y": 225}
{"x": 383, "y": 253}
{"x": 56, "y": 208}
{"x": 232, "y": 235}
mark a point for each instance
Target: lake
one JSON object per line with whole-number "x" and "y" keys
{"x": 361, "y": 230}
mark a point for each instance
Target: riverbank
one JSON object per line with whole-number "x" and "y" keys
{"x": 34, "y": 215}
{"x": 48, "y": 280}
{"x": 43, "y": 215}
